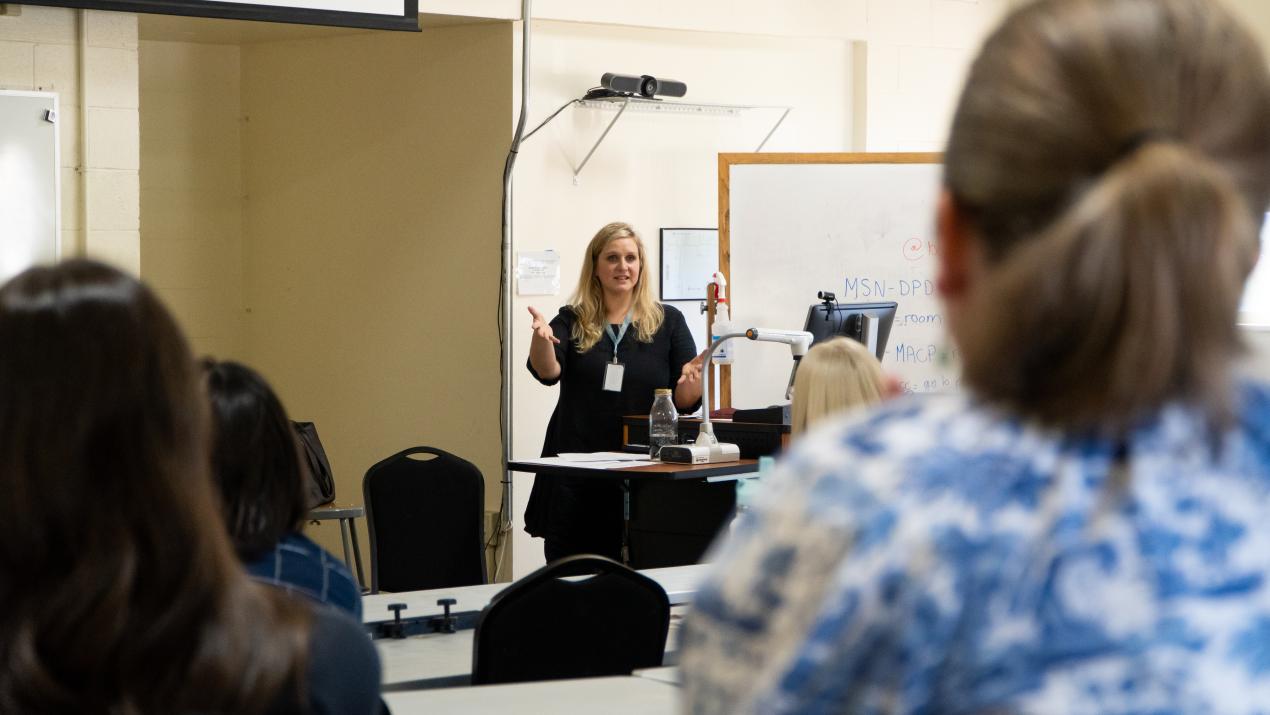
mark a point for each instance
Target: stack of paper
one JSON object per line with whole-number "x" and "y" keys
{"x": 593, "y": 460}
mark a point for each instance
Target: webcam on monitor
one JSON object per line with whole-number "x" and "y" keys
{"x": 867, "y": 323}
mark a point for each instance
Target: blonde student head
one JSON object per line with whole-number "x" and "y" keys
{"x": 835, "y": 375}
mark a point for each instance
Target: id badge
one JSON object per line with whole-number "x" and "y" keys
{"x": 613, "y": 373}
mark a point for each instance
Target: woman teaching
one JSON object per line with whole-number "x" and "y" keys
{"x": 609, "y": 349}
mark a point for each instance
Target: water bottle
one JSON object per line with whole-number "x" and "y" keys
{"x": 663, "y": 422}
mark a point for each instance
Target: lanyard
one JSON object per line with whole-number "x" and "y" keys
{"x": 617, "y": 339}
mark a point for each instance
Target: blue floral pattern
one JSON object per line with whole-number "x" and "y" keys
{"x": 937, "y": 555}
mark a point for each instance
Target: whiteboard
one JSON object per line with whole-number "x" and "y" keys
{"x": 689, "y": 259}
{"x": 30, "y": 215}
{"x": 862, "y": 230}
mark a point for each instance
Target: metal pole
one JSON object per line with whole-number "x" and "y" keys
{"x": 505, "y": 289}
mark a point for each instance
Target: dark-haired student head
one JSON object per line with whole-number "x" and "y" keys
{"x": 119, "y": 591}
{"x": 262, "y": 482}
{"x": 255, "y": 458}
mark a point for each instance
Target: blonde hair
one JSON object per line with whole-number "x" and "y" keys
{"x": 1112, "y": 158}
{"x": 587, "y": 302}
{"x": 835, "y": 375}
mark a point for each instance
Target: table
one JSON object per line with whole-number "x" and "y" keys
{"x": 444, "y": 660}
{"x": 648, "y": 472}
{"x": 665, "y": 674}
{"x": 755, "y": 439}
{"x": 671, "y": 512}
{"x": 680, "y": 583}
{"x": 621, "y": 695}
{"x": 432, "y": 660}
{"x": 348, "y": 530}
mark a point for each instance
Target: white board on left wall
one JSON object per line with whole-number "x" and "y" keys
{"x": 30, "y": 215}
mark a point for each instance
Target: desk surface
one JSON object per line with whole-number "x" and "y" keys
{"x": 652, "y": 471}
{"x": 665, "y": 674}
{"x": 424, "y": 603}
{"x": 680, "y": 583}
{"x": 444, "y": 660}
{"x": 432, "y": 660}
{"x": 615, "y": 696}
{"x": 332, "y": 511}
{"x": 724, "y": 422}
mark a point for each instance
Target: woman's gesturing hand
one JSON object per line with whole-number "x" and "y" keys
{"x": 542, "y": 328}
{"x": 691, "y": 374}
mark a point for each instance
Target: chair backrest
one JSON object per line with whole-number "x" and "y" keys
{"x": 425, "y": 521}
{"x": 544, "y": 627}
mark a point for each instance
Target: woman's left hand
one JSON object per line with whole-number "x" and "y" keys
{"x": 691, "y": 374}
{"x": 688, "y": 389}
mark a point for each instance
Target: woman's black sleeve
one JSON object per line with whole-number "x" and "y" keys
{"x": 682, "y": 347}
{"x": 562, "y": 328}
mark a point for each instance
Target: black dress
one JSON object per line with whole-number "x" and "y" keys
{"x": 580, "y": 516}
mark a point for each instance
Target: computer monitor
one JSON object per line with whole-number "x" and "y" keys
{"x": 868, "y": 323}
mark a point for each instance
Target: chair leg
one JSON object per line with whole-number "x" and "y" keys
{"x": 357, "y": 553}
{"x": 344, "y": 529}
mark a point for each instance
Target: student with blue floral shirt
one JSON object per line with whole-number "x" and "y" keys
{"x": 1087, "y": 528}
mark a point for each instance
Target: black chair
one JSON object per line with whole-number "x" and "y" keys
{"x": 544, "y": 627}
{"x": 424, "y": 518}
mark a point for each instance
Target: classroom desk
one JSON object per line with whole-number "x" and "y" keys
{"x": 650, "y": 472}
{"x": 444, "y": 660}
{"x": 432, "y": 660}
{"x": 755, "y": 439}
{"x": 621, "y": 695}
{"x": 671, "y": 513}
{"x": 665, "y": 674}
{"x": 680, "y": 583}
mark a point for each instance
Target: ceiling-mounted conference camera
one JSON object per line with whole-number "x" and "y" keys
{"x": 646, "y": 86}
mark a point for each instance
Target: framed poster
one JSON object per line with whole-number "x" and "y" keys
{"x": 689, "y": 260}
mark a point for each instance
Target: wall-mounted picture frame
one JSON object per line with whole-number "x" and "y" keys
{"x": 689, "y": 259}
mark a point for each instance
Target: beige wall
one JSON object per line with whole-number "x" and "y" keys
{"x": 1257, "y": 14}
{"x": 372, "y": 171}
{"x": 788, "y": 18}
{"x": 918, "y": 52}
{"x": 653, "y": 170}
{"x": 40, "y": 50}
{"x": 192, "y": 189}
